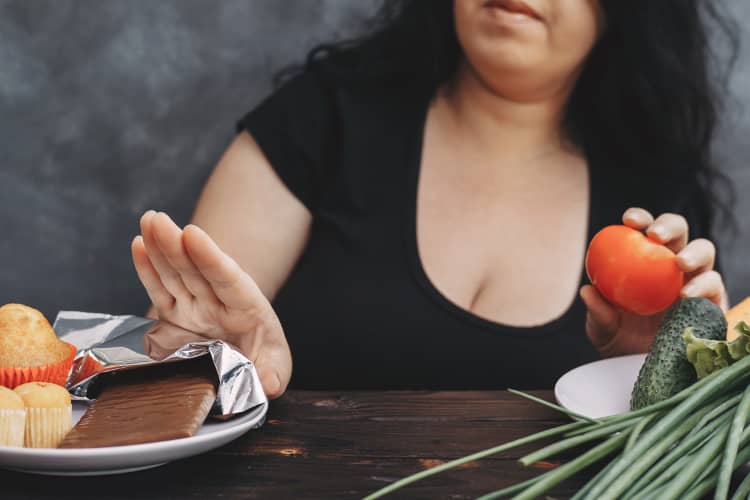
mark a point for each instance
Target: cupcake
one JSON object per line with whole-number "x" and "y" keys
{"x": 12, "y": 418}
{"x": 29, "y": 349}
{"x": 49, "y": 414}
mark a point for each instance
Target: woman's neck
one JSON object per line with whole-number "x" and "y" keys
{"x": 505, "y": 125}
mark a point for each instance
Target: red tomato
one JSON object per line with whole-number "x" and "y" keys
{"x": 633, "y": 271}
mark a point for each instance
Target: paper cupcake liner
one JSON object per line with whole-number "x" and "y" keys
{"x": 89, "y": 368}
{"x": 12, "y": 424}
{"x": 56, "y": 373}
{"x": 47, "y": 427}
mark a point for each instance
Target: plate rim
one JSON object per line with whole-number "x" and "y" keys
{"x": 240, "y": 424}
{"x": 556, "y": 388}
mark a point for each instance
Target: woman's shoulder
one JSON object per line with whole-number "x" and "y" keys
{"x": 318, "y": 125}
{"x": 322, "y": 90}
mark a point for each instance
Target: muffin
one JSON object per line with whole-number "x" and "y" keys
{"x": 12, "y": 418}
{"x": 49, "y": 414}
{"x": 29, "y": 349}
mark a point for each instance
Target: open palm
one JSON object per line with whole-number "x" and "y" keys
{"x": 193, "y": 284}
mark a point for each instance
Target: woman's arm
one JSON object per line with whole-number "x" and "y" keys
{"x": 247, "y": 223}
{"x": 252, "y": 216}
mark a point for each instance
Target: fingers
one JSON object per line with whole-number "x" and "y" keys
{"x": 231, "y": 284}
{"x": 668, "y": 229}
{"x": 697, "y": 257}
{"x": 168, "y": 237}
{"x": 709, "y": 285}
{"x": 274, "y": 366}
{"x": 637, "y": 218}
{"x": 149, "y": 276}
{"x": 170, "y": 278}
{"x": 164, "y": 338}
{"x": 602, "y": 319}
{"x": 271, "y": 379}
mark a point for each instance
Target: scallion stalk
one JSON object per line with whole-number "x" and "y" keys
{"x": 732, "y": 444}
{"x": 568, "y": 469}
{"x": 566, "y": 444}
{"x": 620, "y": 477}
{"x": 555, "y": 431}
{"x": 668, "y": 465}
{"x": 694, "y": 467}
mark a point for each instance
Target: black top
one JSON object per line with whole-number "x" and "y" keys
{"x": 358, "y": 309}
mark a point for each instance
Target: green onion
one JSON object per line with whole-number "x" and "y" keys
{"x": 728, "y": 402}
{"x": 605, "y": 422}
{"x": 671, "y": 449}
{"x": 639, "y": 428}
{"x": 555, "y": 431}
{"x": 543, "y": 402}
{"x": 669, "y": 463}
{"x": 566, "y": 470}
{"x": 617, "y": 480}
{"x": 743, "y": 490}
{"x": 733, "y": 442}
{"x": 700, "y": 489}
{"x": 647, "y": 490}
{"x": 506, "y": 492}
{"x": 644, "y": 458}
{"x": 569, "y": 443}
{"x": 587, "y": 487}
{"x": 694, "y": 467}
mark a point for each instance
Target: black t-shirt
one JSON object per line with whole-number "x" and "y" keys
{"x": 358, "y": 310}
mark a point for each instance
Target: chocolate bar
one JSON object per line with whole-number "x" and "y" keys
{"x": 153, "y": 405}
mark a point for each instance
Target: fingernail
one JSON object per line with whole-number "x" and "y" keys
{"x": 688, "y": 261}
{"x": 634, "y": 214}
{"x": 659, "y": 232}
{"x": 689, "y": 291}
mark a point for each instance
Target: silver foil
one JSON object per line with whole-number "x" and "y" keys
{"x": 114, "y": 343}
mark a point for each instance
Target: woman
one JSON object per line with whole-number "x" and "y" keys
{"x": 416, "y": 205}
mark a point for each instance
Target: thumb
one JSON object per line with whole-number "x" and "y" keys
{"x": 602, "y": 320}
{"x": 274, "y": 367}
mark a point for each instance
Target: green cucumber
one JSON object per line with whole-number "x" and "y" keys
{"x": 667, "y": 370}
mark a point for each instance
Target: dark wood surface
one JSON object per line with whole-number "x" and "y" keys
{"x": 333, "y": 445}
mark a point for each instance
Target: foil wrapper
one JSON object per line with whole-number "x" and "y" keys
{"x": 107, "y": 344}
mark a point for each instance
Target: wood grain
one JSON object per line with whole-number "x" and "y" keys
{"x": 337, "y": 445}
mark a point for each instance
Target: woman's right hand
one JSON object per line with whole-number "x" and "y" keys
{"x": 193, "y": 284}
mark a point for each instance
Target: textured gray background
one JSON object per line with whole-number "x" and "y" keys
{"x": 108, "y": 108}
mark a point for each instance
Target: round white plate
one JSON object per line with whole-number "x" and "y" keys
{"x": 600, "y": 388}
{"x": 120, "y": 459}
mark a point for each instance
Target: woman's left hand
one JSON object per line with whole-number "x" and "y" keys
{"x": 615, "y": 332}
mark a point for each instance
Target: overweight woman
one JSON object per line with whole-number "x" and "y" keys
{"x": 412, "y": 209}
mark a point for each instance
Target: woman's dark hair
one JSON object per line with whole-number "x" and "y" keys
{"x": 647, "y": 99}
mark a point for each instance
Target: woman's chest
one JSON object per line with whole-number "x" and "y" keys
{"x": 506, "y": 244}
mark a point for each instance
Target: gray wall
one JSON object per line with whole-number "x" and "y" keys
{"x": 732, "y": 150}
{"x": 108, "y": 108}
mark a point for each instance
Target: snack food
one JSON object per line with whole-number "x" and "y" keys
{"x": 12, "y": 418}
{"x": 146, "y": 405}
{"x": 29, "y": 348}
{"x": 49, "y": 413}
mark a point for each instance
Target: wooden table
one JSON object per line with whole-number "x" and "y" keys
{"x": 333, "y": 445}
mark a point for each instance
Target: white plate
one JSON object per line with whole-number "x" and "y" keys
{"x": 120, "y": 459}
{"x": 600, "y": 388}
